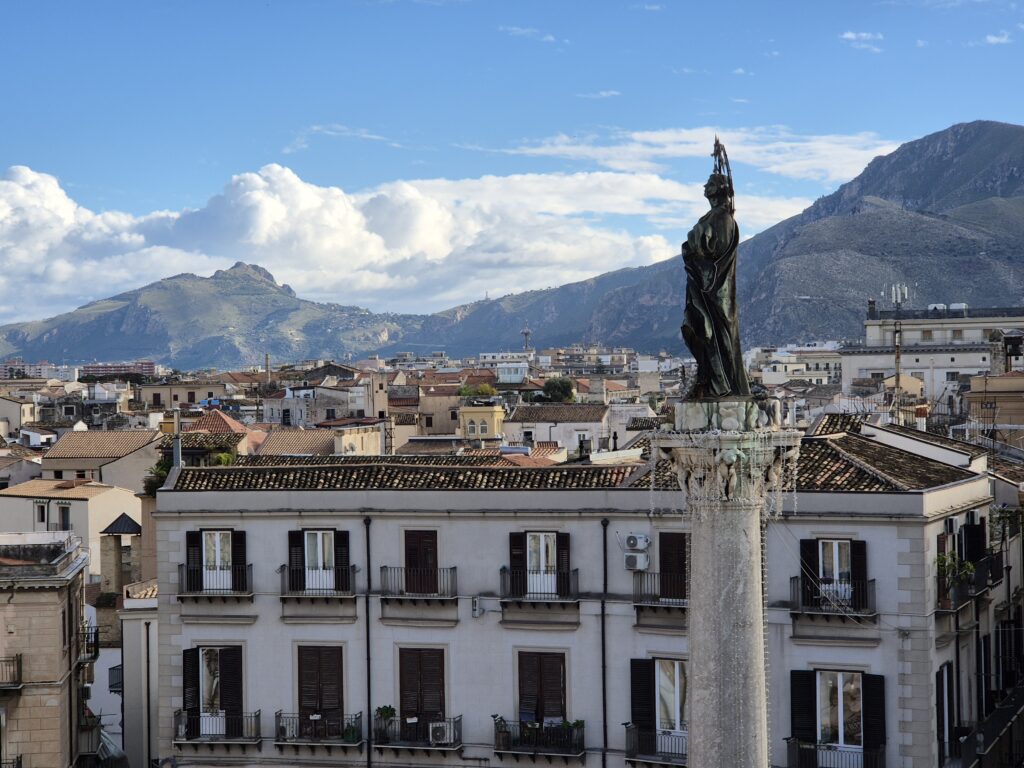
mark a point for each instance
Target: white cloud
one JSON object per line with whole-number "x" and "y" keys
{"x": 864, "y": 41}
{"x": 922, "y": 43}
{"x": 741, "y": 71}
{"x": 528, "y": 32}
{"x": 301, "y": 140}
{"x": 829, "y": 158}
{"x": 417, "y": 245}
{"x": 1002, "y": 38}
{"x": 599, "y": 95}
{"x": 740, "y": 101}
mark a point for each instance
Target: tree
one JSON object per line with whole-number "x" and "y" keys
{"x": 559, "y": 390}
{"x": 480, "y": 390}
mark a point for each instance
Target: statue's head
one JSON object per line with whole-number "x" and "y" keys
{"x": 717, "y": 188}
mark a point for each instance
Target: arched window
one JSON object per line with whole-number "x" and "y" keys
{"x": 471, "y": 427}
{"x": 483, "y": 427}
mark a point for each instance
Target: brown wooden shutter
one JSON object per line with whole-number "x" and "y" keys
{"x": 802, "y": 698}
{"x": 974, "y": 542}
{"x": 231, "y": 699}
{"x": 859, "y": 574}
{"x": 672, "y": 565}
{"x": 432, "y": 683}
{"x": 190, "y": 701}
{"x": 552, "y": 685}
{"x": 408, "y": 682}
{"x": 642, "y": 704}
{"x": 562, "y": 564}
{"x": 239, "y": 569}
{"x": 529, "y": 686}
{"x": 517, "y": 563}
{"x": 296, "y": 561}
{"x": 331, "y": 700}
{"x": 309, "y": 681}
{"x": 873, "y": 709}
{"x": 342, "y": 562}
{"x": 193, "y": 561}
{"x": 940, "y": 711}
{"x": 421, "y": 561}
{"x": 809, "y": 570}
{"x": 942, "y": 584}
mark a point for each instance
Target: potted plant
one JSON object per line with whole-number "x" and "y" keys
{"x": 382, "y": 717}
{"x": 956, "y": 573}
{"x": 502, "y": 734}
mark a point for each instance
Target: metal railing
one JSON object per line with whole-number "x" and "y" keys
{"x": 443, "y": 732}
{"x": 115, "y": 679}
{"x": 14, "y": 762}
{"x": 418, "y": 582}
{"x": 668, "y": 589}
{"x": 89, "y": 731}
{"x": 843, "y": 597}
{"x": 317, "y": 582}
{"x": 199, "y": 580}
{"x": 88, "y": 645}
{"x": 653, "y": 745}
{"x": 547, "y": 584}
{"x": 10, "y": 671}
{"x": 339, "y": 729}
{"x": 803, "y": 754}
{"x": 217, "y": 727}
{"x": 539, "y": 738}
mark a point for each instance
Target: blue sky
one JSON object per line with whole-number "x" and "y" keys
{"x": 413, "y": 155}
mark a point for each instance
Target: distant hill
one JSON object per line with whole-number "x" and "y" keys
{"x": 944, "y": 213}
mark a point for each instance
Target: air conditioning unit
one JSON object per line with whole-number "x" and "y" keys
{"x": 950, "y": 525}
{"x": 442, "y": 733}
{"x": 637, "y": 561}
{"x": 637, "y": 541}
{"x": 85, "y": 692}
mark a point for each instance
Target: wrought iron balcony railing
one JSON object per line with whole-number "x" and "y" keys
{"x": 318, "y": 728}
{"x": 541, "y": 585}
{"x": 14, "y": 762}
{"x": 317, "y": 582}
{"x": 88, "y": 645}
{"x": 10, "y": 671}
{"x": 419, "y": 732}
{"x": 839, "y": 597}
{"x": 243, "y": 727}
{"x": 115, "y": 679}
{"x": 232, "y": 581}
{"x": 659, "y": 589}
{"x": 418, "y": 582}
{"x": 89, "y": 731}
{"x": 656, "y": 746}
{"x": 565, "y": 739}
{"x": 803, "y": 754}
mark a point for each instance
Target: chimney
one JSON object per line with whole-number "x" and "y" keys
{"x": 615, "y": 441}
{"x": 872, "y": 310}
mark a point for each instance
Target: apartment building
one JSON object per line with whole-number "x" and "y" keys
{"x": 182, "y": 394}
{"x": 116, "y": 457}
{"x": 448, "y": 614}
{"x": 46, "y": 654}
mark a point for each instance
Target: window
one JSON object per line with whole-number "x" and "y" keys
{"x": 421, "y": 562}
{"x": 209, "y": 395}
{"x": 69, "y": 410}
{"x": 80, "y": 474}
{"x": 945, "y": 710}
{"x": 320, "y": 691}
{"x": 527, "y": 435}
{"x": 318, "y": 561}
{"x": 839, "y": 708}
{"x": 541, "y": 687}
{"x": 833, "y": 575}
{"x": 877, "y": 375}
{"x": 215, "y": 561}
{"x": 926, "y": 335}
{"x": 156, "y": 398}
{"x": 454, "y": 414}
{"x": 671, "y": 686}
{"x": 331, "y": 414}
{"x": 421, "y": 689}
{"x": 58, "y": 474}
{"x": 672, "y": 565}
{"x": 64, "y": 516}
{"x": 958, "y": 334}
{"x": 471, "y": 427}
{"x": 539, "y": 564}
{"x": 834, "y": 561}
{"x": 41, "y": 514}
{"x": 952, "y": 375}
{"x": 286, "y": 416}
{"x": 212, "y": 692}
{"x": 483, "y": 427}
{"x": 191, "y": 396}
{"x": 429, "y": 422}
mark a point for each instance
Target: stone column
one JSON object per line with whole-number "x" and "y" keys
{"x": 728, "y": 456}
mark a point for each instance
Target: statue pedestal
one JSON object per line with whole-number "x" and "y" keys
{"x": 728, "y": 456}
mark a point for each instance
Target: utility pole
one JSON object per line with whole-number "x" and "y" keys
{"x": 898, "y": 293}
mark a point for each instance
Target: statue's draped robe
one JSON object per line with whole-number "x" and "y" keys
{"x": 711, "y": 321}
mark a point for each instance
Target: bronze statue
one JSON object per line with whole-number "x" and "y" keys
{"x": 711, "y": 326}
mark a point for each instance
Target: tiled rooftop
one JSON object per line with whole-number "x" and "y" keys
{"x": 834, "y": 423}
{"x": 299, "y": 441}
{"x": 204, "y": 441}
{"x": 972, "y": 450}
{"x": 559, "y": 413}
{"x": 216, "y": 422}
{"x": 101, "y": 445}
{"x": 448, "y": 460}
{"x": 640, "y": 423}
{"x": 57, "y": 489}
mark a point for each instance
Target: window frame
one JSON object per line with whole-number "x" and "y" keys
{"x": 679, "y": 673}
{"x": 841, "y": 719}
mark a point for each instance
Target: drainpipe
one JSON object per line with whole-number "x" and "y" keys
{"x": 149, "y": 732}
{"x": 369, "y": 665}
{"x": 604, "y": 657}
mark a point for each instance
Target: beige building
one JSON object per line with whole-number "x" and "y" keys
{"x": 14, "y": 412}
{"x": 118, "y": 457}
{"x": 81, "y": 507}
{"x": 995, "y": 406}
{"x": 46, "y": 653}
{"x": 139, "y": 671}
{"x": 481, "y": 419}
{"x": 181, "y": 394}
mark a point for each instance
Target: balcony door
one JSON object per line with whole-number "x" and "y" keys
{"x": 421, "y": 562}
{"x": 672, "y": 566}
{"x": 541, "y": 563}
{"x": 541, "y": 687}
{"x": 421, "y": 691}
{"x": 320, "y": 691}
{"x": 217, "y": 561}
{"x": 319, "y": 559}
{"x": 212, "y": 692}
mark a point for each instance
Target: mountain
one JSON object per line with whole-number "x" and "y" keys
{"x": 229, "y": 319}
{"x": 944, "y": 213}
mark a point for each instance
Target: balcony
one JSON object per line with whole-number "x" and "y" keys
{"x": 806, "y": 755}
{"x": 88, "y": 645}
{"x": 418, "y": 583}
{"x": 656, "y": 747}
{"x": 660, "y": 590}
{"x": 115, "y": 679}
{"x": 429, "y": 735}
{"x": 343, "y": 732}
{"x": 196, "y": 582}
{"x": 533, "y": 740}
{"x": 828, "y": 599}
{"x": 207, "y": 728}
{"x": 10, "y": 673}
{"x": 317, "y": 583}
{"x": 14, "y": 762}
{"x": 89, "y": 731}
{"x": 542, "y": 586}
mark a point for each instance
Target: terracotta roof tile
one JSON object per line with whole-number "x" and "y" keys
{"x": 57, "y": 489}
{"x": 101, "y": 445}
{"x": 204, "y": 441}
{"x": 448, "y": 460}
{"x": 640, "y": 423}
{"x": 216, "y": 422}
{"x": 834, "y": 423}
{"x": 558, "y": 413}
{"x": 299, "y": 441}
